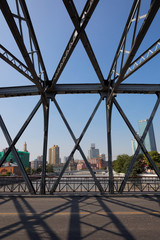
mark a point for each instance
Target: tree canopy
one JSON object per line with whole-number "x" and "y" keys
{"x": 121, "y": 164}
{"x": 49, "y": 168}
{"x": 155, "y": 157}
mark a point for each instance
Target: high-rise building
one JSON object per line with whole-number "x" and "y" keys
{"x": 54, "y": 155}
{"x": 93, "y": 152}
{"x": 134, "y": 145}
{"x": 149, "y": 141}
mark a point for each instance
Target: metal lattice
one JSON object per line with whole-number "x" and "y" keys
{"x": 33, "y": 69}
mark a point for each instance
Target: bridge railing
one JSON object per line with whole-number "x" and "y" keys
{"x": 81, "y": 184}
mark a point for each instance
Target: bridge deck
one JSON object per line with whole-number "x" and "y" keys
{"x": 80, "y": 217}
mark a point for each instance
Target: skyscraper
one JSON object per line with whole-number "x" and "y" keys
{"x": 149, "y": 141}
{"x": 54, "y": 155}
{"x": 134, "y": 145}
{"x": 93, "y": 152}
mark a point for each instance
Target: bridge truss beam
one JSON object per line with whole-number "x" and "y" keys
{"x": 33, "y": 68}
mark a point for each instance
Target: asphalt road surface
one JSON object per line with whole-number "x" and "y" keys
{"x": 80, "y": 217}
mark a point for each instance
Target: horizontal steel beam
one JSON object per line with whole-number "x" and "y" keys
{"x": 78, "y": 89}
{"x": 18, "y": 91}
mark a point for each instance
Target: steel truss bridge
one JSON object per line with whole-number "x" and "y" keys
{"x": 33, "y": 68}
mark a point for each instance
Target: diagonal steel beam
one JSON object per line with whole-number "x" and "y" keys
{"x": 146, "y": 56}
{"x": 17, "y": 158}
{"x": 15, "y": 63}
{"x": 89, "y": 8}
{"x": 140, "y": 141}
{"x": 136, "y": 22}
{"x": 142, "y": 32}
{"x": 127, "y": 26}
{"x": 77, "y": 146}
{"x": 75, "y": 19}
{"x": 19, "y": 134}
{"x": 19, "y": 40}
{"x": 154, "y": 7}
{"x": 32, "y": 33}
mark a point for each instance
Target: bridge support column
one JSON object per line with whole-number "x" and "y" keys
{"x": 45, "y": 141}
{"x": 109, "y": 143}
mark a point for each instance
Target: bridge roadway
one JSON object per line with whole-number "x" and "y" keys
{"x": 80, "y": 217}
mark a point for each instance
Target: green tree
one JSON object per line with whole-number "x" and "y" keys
{"x": 139, "y": 166}
{"x": 155, "y": 157}
{"x": 39, "y": 169}
{"x": 33, "y": 171}
{"x": 123, "y": 161}
{"x": 8, "y": 173}
{"x": 119, "y": 163}
{"x": 49, "y": 168}
{"x": 27, "y": 170}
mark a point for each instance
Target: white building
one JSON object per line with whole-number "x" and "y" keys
{"x": 37, "y": 163}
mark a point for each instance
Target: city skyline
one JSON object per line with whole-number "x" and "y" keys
{"x": 77, "y": 108}
{"x": 92, "y": 145}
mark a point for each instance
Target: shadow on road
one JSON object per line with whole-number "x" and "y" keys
{"x": 73, "y": 217}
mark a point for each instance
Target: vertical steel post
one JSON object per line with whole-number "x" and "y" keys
{"x": 45, "y": 141}
{"x": 109, "y": 142}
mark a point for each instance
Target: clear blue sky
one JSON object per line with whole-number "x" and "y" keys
{"x": 53, "y": 29}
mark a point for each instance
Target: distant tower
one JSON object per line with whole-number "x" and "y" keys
{"x": 149, "y": 141}
{"x": 93, "y": 152}
{"x": 54, "y": 155}
{"x": 25, "y": 147}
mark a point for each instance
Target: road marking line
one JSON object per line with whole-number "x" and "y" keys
{"x": 82, "y": 213}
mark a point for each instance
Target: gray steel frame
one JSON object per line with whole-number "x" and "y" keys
{"x": 33, "y": 69}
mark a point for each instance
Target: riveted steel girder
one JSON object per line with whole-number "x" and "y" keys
{"x": 78, "y": 89}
